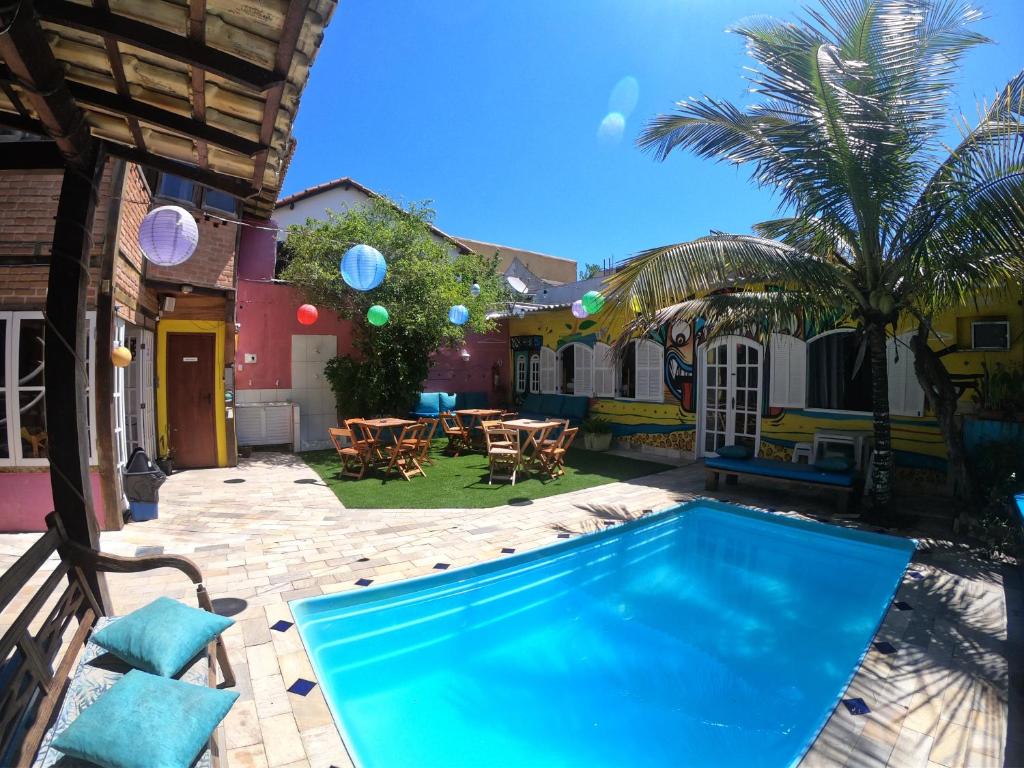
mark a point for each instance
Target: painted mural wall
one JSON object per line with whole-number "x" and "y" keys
{"x": 673, "y": 422}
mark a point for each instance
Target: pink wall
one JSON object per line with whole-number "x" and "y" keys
{"x": 266, "y": 312}
{"x": 27, "y": 500}
{"x": 257, "y": 252}
{"x": 453, "y": 374}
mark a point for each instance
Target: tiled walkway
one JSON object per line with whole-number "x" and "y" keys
{"x": 269, "y": 531}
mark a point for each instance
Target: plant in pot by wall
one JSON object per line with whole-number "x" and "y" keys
{"x": 1001, "y": 393}
{"x": 597, "y": 434}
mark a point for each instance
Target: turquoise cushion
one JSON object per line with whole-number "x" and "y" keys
{"x": 575, "y": 407}
{"x": 145, "y": 721}
{"x": 474, "y": 399}
{"x": 551, "y": 405}
{"x": 531, "y": 403}
{"x": 428, "y": 403}
{"x": 834, "y": 464}
{"x": 161, "y": 637}
{"x": 446, "y": 402}
{"x": 735, "y": 451}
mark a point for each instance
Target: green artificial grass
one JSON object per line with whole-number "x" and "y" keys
{"x": 461, "y": 481}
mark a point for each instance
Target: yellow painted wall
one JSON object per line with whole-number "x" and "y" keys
{"x": 217, "y": 328}
{"x": 917, "y": 440}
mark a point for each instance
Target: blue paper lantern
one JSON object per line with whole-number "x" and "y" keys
{"x": 363, "y": 268}
{"x": 458, "y": 315}
{"x": 168, "y": 235}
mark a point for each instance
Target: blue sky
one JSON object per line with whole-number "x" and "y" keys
{"x": 494, "y": 111}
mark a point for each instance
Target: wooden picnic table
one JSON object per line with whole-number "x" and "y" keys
{"x": 472, "y": 417}
{"x": 376, "y": 426}
{"x": 532, "y": 433}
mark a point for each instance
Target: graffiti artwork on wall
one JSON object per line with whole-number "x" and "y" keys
{"x": 680, "y": 361}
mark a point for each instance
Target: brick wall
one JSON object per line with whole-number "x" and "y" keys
{"x": 28, "y": 200}
{"x": 130, "y": 294}
{"x": 213, "y": 263}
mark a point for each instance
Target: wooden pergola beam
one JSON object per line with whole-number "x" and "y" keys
{"x": 160, "y": 41}
{"x": 120, "y": 80}
{"x": 286, "y": 45}
{"x": 128, "y": 107}
{"x": 197, "y": 34}
{"x": 233, "y": 185}
{"x": 27, "y": 55}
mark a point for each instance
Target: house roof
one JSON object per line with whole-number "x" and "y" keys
{"x": 346, "y": 181}
{"x": 208, "y": 92}
{"x": 551, "y": 269}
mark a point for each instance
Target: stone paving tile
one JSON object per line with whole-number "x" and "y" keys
{"x": 939, "y": 701}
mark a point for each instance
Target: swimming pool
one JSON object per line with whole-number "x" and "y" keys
{"x": 705, "y": 635}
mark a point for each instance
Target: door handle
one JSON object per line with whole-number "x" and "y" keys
{"x": 209, "y": 398}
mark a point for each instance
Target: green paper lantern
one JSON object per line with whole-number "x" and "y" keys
{"x": 377, "y": 315}
{"x": 592, "y": 302}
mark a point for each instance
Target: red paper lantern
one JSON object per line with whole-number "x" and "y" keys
{"x": 307, "y": 314}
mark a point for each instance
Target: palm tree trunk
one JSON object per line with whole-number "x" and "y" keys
{"x": 881, "y": 468}
{"x": 938, "y": 387}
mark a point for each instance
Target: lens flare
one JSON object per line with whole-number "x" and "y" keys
{"x": 611, "y": 128}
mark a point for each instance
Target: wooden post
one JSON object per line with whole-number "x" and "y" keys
{"x": 65, "y": 355}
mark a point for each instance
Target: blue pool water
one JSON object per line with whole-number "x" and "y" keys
{"x": 707, "y": 635}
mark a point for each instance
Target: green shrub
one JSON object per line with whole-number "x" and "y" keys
{"x": 596, "y": 425}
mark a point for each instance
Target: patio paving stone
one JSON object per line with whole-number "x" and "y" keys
{"x": 939, "y": 701}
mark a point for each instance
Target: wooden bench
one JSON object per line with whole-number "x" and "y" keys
{"x": 43, "y": 670}
{"x": 842, "y": 483}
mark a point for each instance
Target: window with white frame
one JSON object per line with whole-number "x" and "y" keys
{"x": 534, "y": 373}
{"x": 604, "y": 371}
{"x": 520, "y": 373}
{"x": 575, "y": 370}
{"x": 641, "y": 371}
{"x": 838, "y": 372}
{"x": 23, "y": 431}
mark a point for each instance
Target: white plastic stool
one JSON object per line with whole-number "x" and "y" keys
{"x": 803, "y": 450}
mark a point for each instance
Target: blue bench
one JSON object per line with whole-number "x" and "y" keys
{"x": 571, "y": 407}
{"x": 843, "y": 483}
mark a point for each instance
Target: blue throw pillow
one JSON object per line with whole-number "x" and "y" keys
{"x": 833, "y": 464}
{"x": 161, "y": 637}
{"x": 735, "y": 452}
{"x": 145, "y": 721}
{"x": 447, "y": 402}
{"x": 428, "y": 403}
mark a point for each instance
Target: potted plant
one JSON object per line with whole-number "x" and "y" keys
{"x": 597, "y": 433}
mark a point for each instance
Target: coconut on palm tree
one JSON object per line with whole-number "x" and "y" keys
{"x": 879, "y": 220}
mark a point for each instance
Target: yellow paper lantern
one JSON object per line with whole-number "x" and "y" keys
{"x": 121, "y": 357}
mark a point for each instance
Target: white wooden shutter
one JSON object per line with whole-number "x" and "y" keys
{"x": 650, "y": 366}
{"x": 604, "y": 371}
{"x": 906, "y": 398}
{"x": 788, "y": 372}
{"x": 583, "y": 375}
{"x": 547, "y": 370}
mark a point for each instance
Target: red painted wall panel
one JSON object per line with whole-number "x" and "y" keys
{"x": 28, "y": 499}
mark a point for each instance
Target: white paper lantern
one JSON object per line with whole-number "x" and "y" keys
{"x": 168, "y": 235}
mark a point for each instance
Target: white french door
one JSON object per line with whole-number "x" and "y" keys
{"x": 139, "y": 409}
{"x": 730, "y": 403}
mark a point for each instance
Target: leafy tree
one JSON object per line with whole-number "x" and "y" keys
{"x": 589, "y": 271}
{"x": 878, "y": 220}
{"x": 425, "y": 278}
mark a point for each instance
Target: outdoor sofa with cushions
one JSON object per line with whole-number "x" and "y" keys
{"x": 844, "y": 483}
{"x": 571, "y": 407}
{"x": 433, "y": 404}
{"x": 48, "y": 659}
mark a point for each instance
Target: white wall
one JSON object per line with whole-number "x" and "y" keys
{"x": 340, "y": 199}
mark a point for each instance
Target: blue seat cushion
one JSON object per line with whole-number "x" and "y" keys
{"x": 446, "y": 402}
{"x": 146, "y": 721}
{"x": 784, "y": 470}
{"x": 574, "y": 408}
{"x": 531, "y": 404}
{"x": 161, "y": 637}
{"x": 551, "y": 405}
{"x": 428, "y": 404}
{"x": 472, "y": 399}
{"x": 736, "y": 452}
{"x": 834, "y": 464}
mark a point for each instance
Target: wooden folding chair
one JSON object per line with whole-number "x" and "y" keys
{"x": 552, "y": 458}
{"x": 362, "y": 435}
{"x": 553, "y": 435}
{"x": 351, "y": 451}
{"x": 456, "y": 432}
{"x": 491, "y": 424}
{"x": 424, "y": 443}
{"x": 503, "y": 454}
{"x": 402, "y": 455}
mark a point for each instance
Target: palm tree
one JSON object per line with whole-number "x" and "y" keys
{"x": 878, "y": 220}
